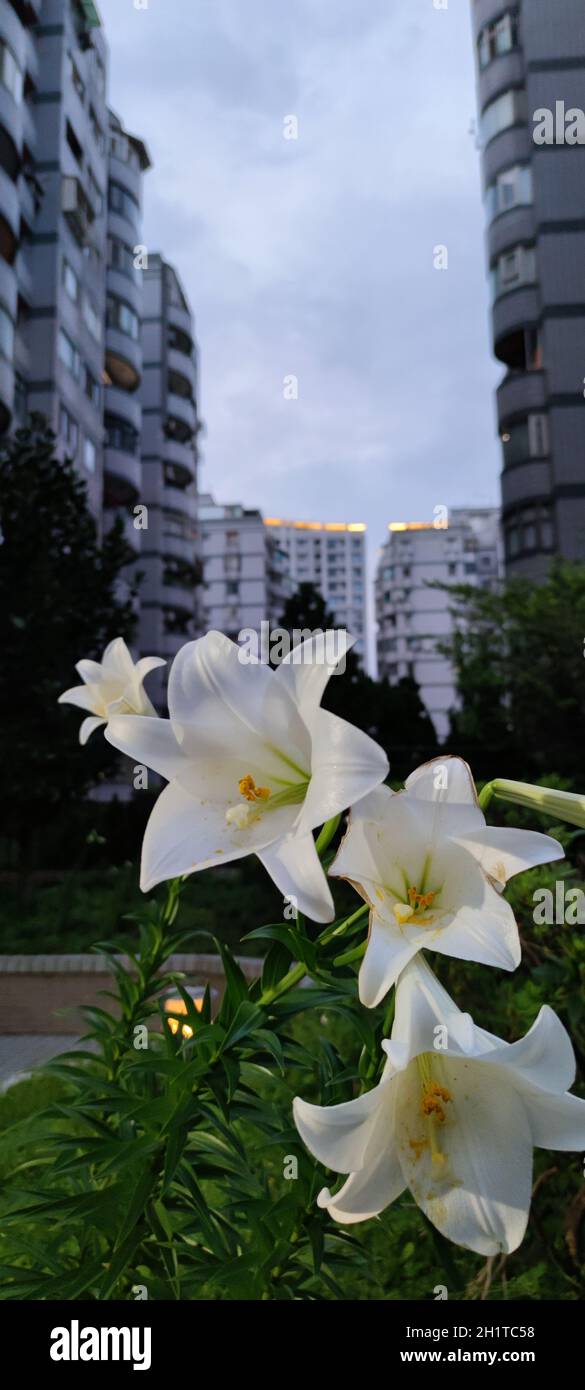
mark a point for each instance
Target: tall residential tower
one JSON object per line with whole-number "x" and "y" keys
{"x": 531, "y": 84}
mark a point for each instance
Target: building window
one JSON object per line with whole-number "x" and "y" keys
{"x": 92, "y": 319}
{"x": 89, "y": 454}
{"x": 76, "y": 80}
{"x": 74, "y": 144}
{"x": 505, "y": 111}
{"x": 178, "y": 429}
{"x": 96, "y": 196}
{"x": 513, "y": 188}
{"x": 92, "y": 389}
{"x": 68, "y": 354}
{"x": 538, "y": 435}
{"x": 514, "y": 268}
{"x": 96, "y": 130}
{"x": 121, "y": 257}
{"x": 120, "y": 435}
{"x": 531, "y": 529}
{"x": 232, "y": 588}
{"x": 6, "y": 334}
{"x": 122, "y": 202}
{"x": 501, "y": 36}
{"x": 69, "y": 431}
{"x": 10, "y": 72}
{"x": 119, "y": 315}
{"x": 180, "y": 386}
{"x": 179, "y": 341}
{"x": 70, "y": 281}
{"x": 175, "y": 295}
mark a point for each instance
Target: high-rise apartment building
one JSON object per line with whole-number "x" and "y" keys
{"x": 169, "y": 462}
{"x": 96, "y": 333}
{"x": 331, "y": 555}
{"x": 531, "y": 85}
{"x": 245, "y": 568}
{"x": 412, "y": 618}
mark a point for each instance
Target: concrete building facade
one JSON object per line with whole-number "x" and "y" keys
{"x": 82, "y": 303}
{"x": 169, "y": 462}
{"x": 413, "y": 618}
{"x": 245, "y": 568}
{"x": 531, "y": 86}
{"x": 331, "y": 555}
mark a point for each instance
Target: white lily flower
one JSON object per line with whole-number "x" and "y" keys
{"x": 254, "y": 765}
{"x": 433, "y": 874}
{"x": 456, "y": 1126}
{"x": 112, "y": 686}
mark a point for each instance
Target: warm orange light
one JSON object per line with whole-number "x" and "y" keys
{"x": 411, "y": 526}
{"x": 178, "y": 1006}
{"x": 316, "y": 525}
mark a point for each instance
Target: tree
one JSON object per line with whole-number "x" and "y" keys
{"x": 393, "y": 715}
{"x": 520, "y": 671}
{"x": 58, "y": 603}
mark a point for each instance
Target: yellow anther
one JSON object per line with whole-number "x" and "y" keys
{"x": 250, "y": 791}
{"x": 434, "y": 1097}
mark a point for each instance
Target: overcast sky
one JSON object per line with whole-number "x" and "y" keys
{"x": 313, "y": 257}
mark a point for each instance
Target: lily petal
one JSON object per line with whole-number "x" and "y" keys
{"x": 185, "y": 834}
{"x": 80, "y": 695}
{"x": 346, "y": 764}
{"x": 372, "y": 1188}
{"x": 295, "y": 868}
{"x": 503, "y": 852}
{"x": 447, "y": 784}
{"x": 556, "y": 1122}
{"x": 147, "y": 740}
{"x": 387, "y": 954}
{"x": 89, "y": 727}
{"x": 479, "y": 1195}
{"x": 338, "y": 1135}
{"x": 305, "y": 671}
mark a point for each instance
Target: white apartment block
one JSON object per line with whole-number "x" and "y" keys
{"x": 413, "y": 618}
{"x": 331, "y": 555}
{"x": 245, "y": 570}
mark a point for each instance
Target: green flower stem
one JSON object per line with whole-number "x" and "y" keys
{"x": 289, "y": 981}
{"x": 326, "y": 835}
{"x": 331, "y": 932}
{"x": 349, "y": 956}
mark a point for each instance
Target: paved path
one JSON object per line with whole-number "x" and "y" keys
{"x": 20, "y": 1053}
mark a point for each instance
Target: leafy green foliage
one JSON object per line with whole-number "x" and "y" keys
{"x": 176, "y": 1165}
{"x": 58, "y": 602}
{"x": 519, "y": 660}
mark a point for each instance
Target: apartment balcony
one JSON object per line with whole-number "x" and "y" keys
{"x": 178, "y": 547}
{"x": 8, "y": 287}
{"x": 125, "y": 228}
{"x": 511, "y": 313}
{"x": 122, "y": 477}
{"x": 504, "y": 72}
{"x": 484, "y": 12}
{"x": 525, "y": 482}
{"x": 126, "y": 406}
{"x": 124, "y": 288}
{"x": 181, "y": 318}
{"x": 29, "y": 128}
{"x": 178, "y": 598}
{"x": 179, "y": 408}
{"x": 519, "y": 393}
{"x": 123, "y": 361}
{"x": 10, "y": 206}
{"x": 11, "y": 122}
{"x": 176, "y": 499}
{"x": 184, "y": 364}
{"x": 511, "y": 146}
{"x": 181, "y": 458}
{"x": 516, "y": 227}
{"x": 11, "y": 30}
{"x": 129, "y": 177}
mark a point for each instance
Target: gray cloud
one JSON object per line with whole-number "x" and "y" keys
{"x": 314, "y": 256}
